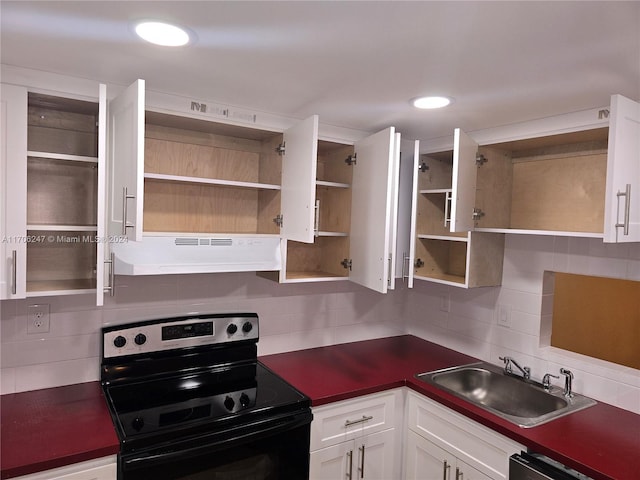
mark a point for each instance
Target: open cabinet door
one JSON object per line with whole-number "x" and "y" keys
{"x": 13, "y": 189}
{"x": 622, "y": 203}
{"x": 414, "y": 162}
{"x": 298, "y": 194}
{"x": 393, "y": 229}
{"x": 126, "y": 163}
{"x": 102, "y": 245}
{"x": 371, "y": 210}
{"x": 465, "y": 173}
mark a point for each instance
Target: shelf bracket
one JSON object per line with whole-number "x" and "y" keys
{"x": 347, "y": 263}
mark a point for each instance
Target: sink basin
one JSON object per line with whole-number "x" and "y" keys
{"x": 523, "y": 402}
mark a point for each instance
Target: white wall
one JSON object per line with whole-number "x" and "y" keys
{"x": 471, "y": 326}
{"x": 300, "y": 316}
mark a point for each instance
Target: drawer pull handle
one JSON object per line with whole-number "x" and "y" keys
{"x": 361, "y": 468}
{"x": 350, "y": 458}
{"x": 364, "y": 418}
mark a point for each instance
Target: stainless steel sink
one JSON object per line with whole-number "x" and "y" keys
{"x": 523, "y": 402}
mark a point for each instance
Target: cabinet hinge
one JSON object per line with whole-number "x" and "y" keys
{"x": 279, "y": 220}
{"x": 423, "y": 167}
{"x": 477, "y": 213}
{"x": 280, "y": 149}
{"x": 604, "y": 113}
{"x": 347, "y": 263}
{"x": 480, "y": 160}
{"x": 351, "y": 160}
{"x": 418, "y": 263}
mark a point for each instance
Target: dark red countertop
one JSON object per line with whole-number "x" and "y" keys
{"x": 602, "y": 441}
{"x": 53, "y": 427}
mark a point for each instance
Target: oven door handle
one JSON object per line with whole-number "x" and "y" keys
{"x": 216, "y": 440}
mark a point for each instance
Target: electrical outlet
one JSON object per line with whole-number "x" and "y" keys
{"x": 38, "y": 318}
{"x": 504, "y": 315}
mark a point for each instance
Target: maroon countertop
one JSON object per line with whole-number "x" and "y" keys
{"x": 602, "y": 441}
{"x": 49, "y": 428}
{"x": 53, "y": 427}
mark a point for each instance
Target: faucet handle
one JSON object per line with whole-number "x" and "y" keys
{"x": 546, "y": 380}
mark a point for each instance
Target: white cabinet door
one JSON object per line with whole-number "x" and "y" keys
{"x": 13, "y": 181}
{"x": 298, "y": 194}
{"x": 426, "y": 461}
{"x": 371, "y": 210}
{"x": 102, "y": 246}
{"x": 414, "y": 212}
{"x": 622, "y": 202}
{"x": 464, "y": 182}
{"x": 126, "y": 162}
{"x": 393, "y": 230}
{"x": 333, "y": 462}
{"x": 375, "y": 456}
{"x": 407, "y": 191}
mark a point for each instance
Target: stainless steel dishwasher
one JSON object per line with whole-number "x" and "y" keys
{"x": 532, "y": 466}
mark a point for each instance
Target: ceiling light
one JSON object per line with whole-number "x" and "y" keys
{"x": 163, "y": 34}
{"x": 431, "y": 102}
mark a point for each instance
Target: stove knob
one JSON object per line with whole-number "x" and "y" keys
{"x": 140, "y": 339}
{"x": 232, "y": 328}
{"x": 119, "y": 341}
{"x": 137, "y": 424}
{"x": 247, "y": 327}
{"x": 244, "y": 400}
{"x": 229, "y": 403}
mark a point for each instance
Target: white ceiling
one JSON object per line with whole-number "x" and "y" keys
{"x": 356, "y": 64}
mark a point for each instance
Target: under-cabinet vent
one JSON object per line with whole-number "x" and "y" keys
{"x": 187, "y": 241}
{"x": 221, "y": 242}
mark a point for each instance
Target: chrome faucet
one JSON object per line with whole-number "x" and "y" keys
{"x": 546, "y": 381}
{"x": 568, "y": 380}
{"x": 508, "y": 362}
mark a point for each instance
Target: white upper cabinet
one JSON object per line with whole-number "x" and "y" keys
{"x": 572, "y": 175}
{"x": 371, "y": 204}
{"x": 13, "y": 179}
{"x": 622, "y": 211}
{"x": 299, "y": 164}
{"x": 126, "y": 162}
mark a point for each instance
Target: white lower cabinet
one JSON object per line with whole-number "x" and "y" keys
{"x": 104, "y": 468}
{"x": 442, "y": 444}
{"x": 358, "y": 438}
{"x": 427, "y": 461}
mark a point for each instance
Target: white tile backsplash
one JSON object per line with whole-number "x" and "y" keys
{"x": 298, "y": 316}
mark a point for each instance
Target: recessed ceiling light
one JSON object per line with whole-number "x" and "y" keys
{"x": 431, "y": 102}
{"x": 164, "y": 34}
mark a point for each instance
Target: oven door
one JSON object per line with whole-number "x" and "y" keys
{"x": 268, "y": 449}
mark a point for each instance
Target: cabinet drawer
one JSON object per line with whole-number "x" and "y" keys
{"x": 480, "y": 447}
{"x": 101, "y": 469}
{"x": 349, "y": 419}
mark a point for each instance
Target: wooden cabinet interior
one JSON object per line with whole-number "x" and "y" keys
{"x": 554, "y": 183}
{"x": 62, "y": 183}
{"x": 205, "y": 177}
{"x": 323, "y": 258}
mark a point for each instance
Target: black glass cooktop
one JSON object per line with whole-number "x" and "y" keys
{"x": 209, "y": 398}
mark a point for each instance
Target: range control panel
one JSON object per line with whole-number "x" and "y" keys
{"x": 160, "y": 335}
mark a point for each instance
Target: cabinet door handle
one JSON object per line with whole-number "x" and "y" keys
{"x": 447, "y": 208}
{"x": 405, "y": 266}
{"x": 112, "y": 275}
{"x": 459, "y": 474}
{"x": 627, "y": 206}
{"x": 445, "y": 470}
{"x": 14, "y": 272}
{"x": 364, "y": 418}
{"x": 350, "y": 459}
{"x": 125, "y": 197}
{"x": 316, "y": 220}
{"x": 361, "y": 467}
